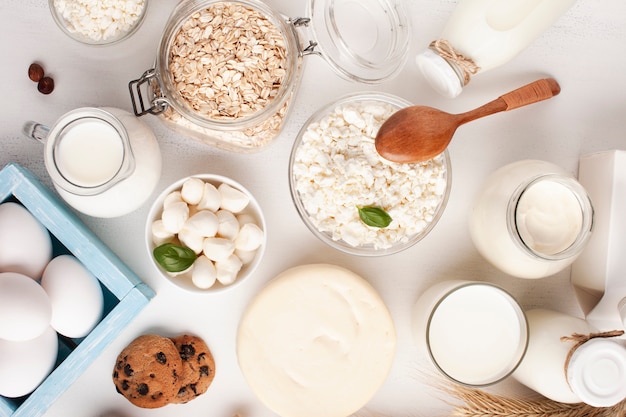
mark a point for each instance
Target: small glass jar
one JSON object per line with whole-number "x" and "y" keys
{"x": 105, "y": 23}
{"x": 531, "y": 219}
{"x": 204, "y": 86}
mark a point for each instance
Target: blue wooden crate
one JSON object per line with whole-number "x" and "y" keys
{"x": 124, "y": 293}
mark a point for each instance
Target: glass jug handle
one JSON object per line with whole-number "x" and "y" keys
{"x": 36, "y": 131}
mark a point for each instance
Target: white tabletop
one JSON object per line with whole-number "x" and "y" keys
{"x": 584, "y": 51}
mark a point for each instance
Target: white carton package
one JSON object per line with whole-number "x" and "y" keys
{"x": 599, "y": 273}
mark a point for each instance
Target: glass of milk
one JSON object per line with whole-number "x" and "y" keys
{"x": 103, "y": 162}
{"x": 474, "y": 333}
{"x": 531, "y": 219}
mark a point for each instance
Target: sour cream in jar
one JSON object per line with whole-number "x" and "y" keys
{"x": 531, "y": 219}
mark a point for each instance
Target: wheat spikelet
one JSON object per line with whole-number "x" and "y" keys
{"x": 478, "y": 403}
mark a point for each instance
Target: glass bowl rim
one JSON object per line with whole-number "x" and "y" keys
{"x": 342, "y": 246}
{"x": 61, "y": 23}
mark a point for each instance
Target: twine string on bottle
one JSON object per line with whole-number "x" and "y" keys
{"x": 580, "y": 339}
{"x": 467, "y": 66}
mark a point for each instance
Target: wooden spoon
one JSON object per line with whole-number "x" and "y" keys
{"x": 419, "y": 133}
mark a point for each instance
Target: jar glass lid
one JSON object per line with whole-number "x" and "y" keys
{"x": 364, "y": 40}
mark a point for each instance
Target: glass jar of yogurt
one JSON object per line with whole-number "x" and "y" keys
{"x": 226, "y": 71}
{"x": 531, "y": 219}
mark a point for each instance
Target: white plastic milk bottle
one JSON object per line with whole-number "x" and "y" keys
{"x": 570, "y": 362}
{"x": 484, "y": 34}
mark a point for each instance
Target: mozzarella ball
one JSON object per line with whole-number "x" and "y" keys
{"x": 204, "y": 222}
{"x": 173, "y": 197}
{"x": 217, "y": 248}
{"x": 204, "y": 274}
{"x": 244, "y": 218}
{"x": 211, "y": 198}
{"x": 192, "y": 239}
{"x": 192, "y": 190}
{"x": 228, "y": 225}
{"x": 233, "y": 200}
{"x": 160, "y": 234}
{"x": 250, "y": 237}
{"x": 246, "y": 256}
{"x": 228, "y": 269}
{"x": 174, "y": 216}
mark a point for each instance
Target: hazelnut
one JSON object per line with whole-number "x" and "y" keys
{"x": 45, "y": 85}
{"x": 35, "y": 72}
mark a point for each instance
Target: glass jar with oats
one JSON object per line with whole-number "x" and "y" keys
{"x": 226, "y": 71}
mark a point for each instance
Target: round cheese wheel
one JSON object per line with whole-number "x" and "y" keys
{"x": 316, "y": 341}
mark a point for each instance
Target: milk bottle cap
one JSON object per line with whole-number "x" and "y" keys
{"x": 597, "y": 372}
{"x": 439, "y": 73}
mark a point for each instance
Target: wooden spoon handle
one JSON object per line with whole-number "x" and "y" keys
{"x": 531, "y": 93}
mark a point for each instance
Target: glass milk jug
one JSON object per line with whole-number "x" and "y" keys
{"x": 531, "y": 219}
{"x": 104, "y": 162}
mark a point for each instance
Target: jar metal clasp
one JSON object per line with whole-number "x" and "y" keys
{"x": 310, "y": 48}
{"x": 158, "y": 103}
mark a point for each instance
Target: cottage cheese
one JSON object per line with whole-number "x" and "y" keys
{"x": 100, "y": 20}
{"x": 336, "y": 168}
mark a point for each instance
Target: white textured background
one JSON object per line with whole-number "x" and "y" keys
{"x": 584, "y": 51}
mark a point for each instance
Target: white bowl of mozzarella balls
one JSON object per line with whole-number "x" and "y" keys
{"x": 206, "y": 233}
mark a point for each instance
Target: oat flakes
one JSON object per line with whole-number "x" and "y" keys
{"x": 228, "y": 61}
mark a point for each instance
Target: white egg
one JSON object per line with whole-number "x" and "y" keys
{"x": 25, "y": 308}
{"x": 75, "y": 295}
{"x": 25, "y": 244}
{"x": 24, "y": 365}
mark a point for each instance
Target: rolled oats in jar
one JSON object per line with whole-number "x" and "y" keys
{"x": 226, "y": 71}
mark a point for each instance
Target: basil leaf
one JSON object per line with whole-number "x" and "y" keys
{"x": 174, "y": 258}
{"x": 374, "y": 216}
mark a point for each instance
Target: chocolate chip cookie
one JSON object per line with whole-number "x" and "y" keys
{"x": 147, "y": 372}
{"x": 198, "y": 367}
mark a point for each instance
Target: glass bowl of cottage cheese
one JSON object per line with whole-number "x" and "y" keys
{"x": 348, "y": 195}
{"x": 97, "y": 22}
